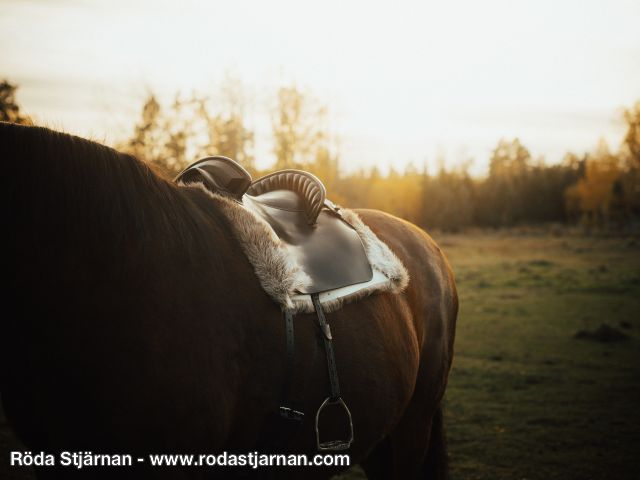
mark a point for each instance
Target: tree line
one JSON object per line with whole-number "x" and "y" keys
{"x": 600, "y": 188}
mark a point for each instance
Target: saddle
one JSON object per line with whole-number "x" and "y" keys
{"x": 294, "y": 204}
{"x": 326, "y": 246}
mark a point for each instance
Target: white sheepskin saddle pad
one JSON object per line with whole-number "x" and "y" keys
{"x": 283, "y": 279}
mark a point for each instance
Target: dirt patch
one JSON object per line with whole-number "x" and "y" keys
{"x": 604, "y": 334}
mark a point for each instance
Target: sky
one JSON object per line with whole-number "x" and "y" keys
{"x": 403, "y": 81}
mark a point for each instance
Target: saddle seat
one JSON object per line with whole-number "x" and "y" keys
{"x": 294, "y": 204}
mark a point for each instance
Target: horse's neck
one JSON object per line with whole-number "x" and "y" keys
{"x": 87, "y": 213}
{"x": 73, "y": 200}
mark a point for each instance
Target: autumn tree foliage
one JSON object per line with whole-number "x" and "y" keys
{"x": 172, "y": 136}
{"x": 227, "y": 132}
{"x": 9, "y": 108}
{"x": 608, "y": 191}
{"x": 598, "y": 189}
{"x": 598, "y": 193}
{"x": 630, "y": 181}
{"x": 300, "y": 137}
{"x": 295, "y": 131}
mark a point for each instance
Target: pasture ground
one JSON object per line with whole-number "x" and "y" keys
{"x": 526, "y": 398}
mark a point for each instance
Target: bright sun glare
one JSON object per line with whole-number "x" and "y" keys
{"x": 404, "y": 81}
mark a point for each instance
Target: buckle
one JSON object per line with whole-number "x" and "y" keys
{"x": 291, "y": 414}
{"x": 334, "y": 445}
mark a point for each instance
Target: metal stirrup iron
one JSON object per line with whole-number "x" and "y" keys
{"x": 335, "y": 399}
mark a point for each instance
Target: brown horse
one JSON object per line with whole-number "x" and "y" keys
{"x": 137, "y": 325}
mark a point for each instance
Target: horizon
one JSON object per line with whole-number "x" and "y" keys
{"x": 401, "y": 85}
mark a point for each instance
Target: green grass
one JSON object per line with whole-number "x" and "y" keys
{"x": 525, "y": 398}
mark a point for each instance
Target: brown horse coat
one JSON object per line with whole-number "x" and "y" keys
{"x": 140, "y": 326}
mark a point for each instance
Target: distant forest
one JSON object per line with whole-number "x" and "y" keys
{"x": 598, "y": 189}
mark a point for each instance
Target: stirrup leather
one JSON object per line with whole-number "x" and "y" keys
{"x": 335, "y": 399}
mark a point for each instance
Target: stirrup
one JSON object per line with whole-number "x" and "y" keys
{"x": 334, "y": 445}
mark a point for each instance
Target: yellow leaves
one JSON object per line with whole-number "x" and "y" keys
{"x": 297, "y": 128}
{"x": 595, "y": 189}
{"x": 632, "y": 137}
{"x": 9, "y": 109}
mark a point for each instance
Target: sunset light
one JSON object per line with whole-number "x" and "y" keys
{"x": 403, "y": 81}
{"x": 338, "y": 240}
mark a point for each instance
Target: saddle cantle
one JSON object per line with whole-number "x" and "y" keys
{"x": 307, "y": 187}
{"x": 217, "y": 174}
{"x": 294, "y": 204}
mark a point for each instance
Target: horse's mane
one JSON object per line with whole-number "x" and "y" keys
{"x": 92, "y": 191}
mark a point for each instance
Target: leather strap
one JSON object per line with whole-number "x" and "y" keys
{"x": 328, "y": 347}
{"x": 281, "y": 426}
{"x": 287, "y": 409}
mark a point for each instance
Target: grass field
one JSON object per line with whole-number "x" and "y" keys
{"x": 526, "y": 399}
